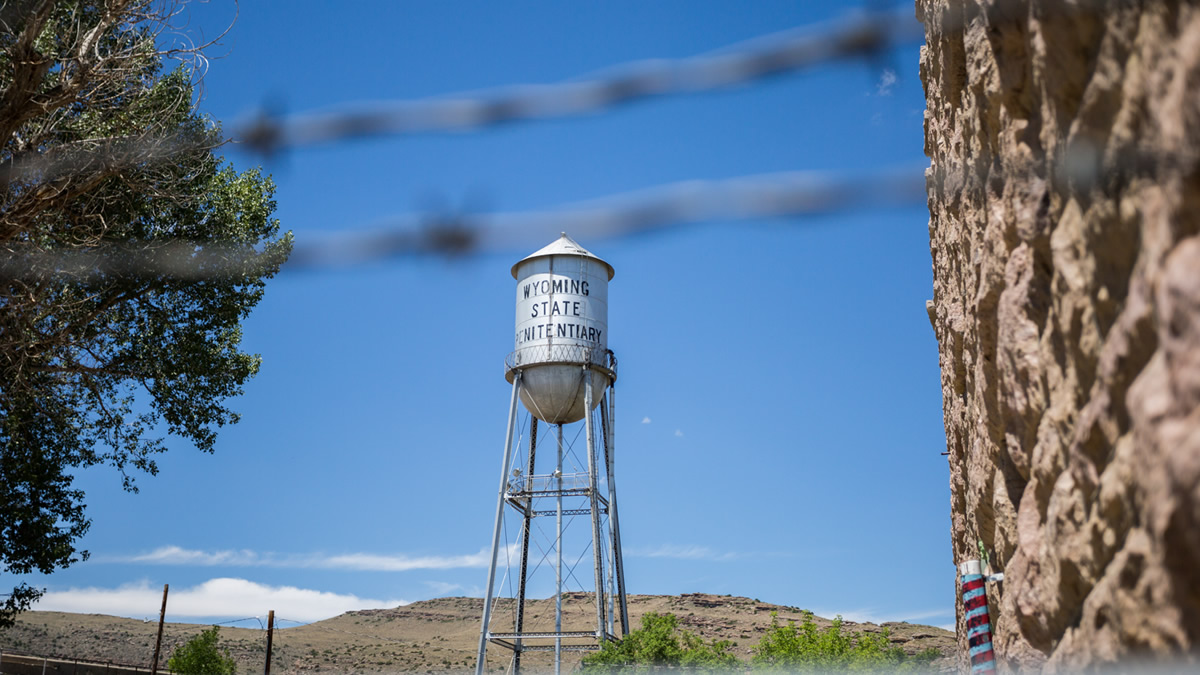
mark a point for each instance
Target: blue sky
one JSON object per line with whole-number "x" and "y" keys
{"x": 779, "y": 411}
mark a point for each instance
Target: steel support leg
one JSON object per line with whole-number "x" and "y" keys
{"x": 614, "y": 523}
{"x": 604, "y": 432}
{"x": 558, "y": 561}
{"x": 525, "y": 532}
{"x": 594, "y": 494}
{"x": 491, "y": 581}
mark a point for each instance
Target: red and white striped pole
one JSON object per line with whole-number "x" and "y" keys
{"x": 979, "y": 626}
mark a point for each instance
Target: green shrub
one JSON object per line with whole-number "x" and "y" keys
{"x": 660, "y": 644}
{"x": 201, "y": 656}
{"x": 808, "y": 648}
{"x": 786, "y": 647}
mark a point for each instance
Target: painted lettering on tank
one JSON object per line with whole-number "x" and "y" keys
{"x": 570, "y": 330}
{"x": 558, "y": 308}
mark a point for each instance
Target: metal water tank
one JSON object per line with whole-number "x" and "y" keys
{"x": 562, "y": 326}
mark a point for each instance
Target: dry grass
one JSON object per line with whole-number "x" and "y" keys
{"x": 432, "y": 636}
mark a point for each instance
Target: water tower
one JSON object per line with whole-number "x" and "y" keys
{"x": 561, "y": 372}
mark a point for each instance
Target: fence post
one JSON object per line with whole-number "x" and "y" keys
{"x": 975, "y": 607}
{"x": 162, "y": 615}
{"x": 270, "y": 634}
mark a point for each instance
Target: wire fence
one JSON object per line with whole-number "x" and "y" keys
{"x": 93, "y": 648}
{"x": 859, "y": 35}
{"x": 864, "y": 35}
{"x": 58, "y": 663}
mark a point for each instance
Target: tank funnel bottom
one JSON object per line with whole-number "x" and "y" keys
{"x": 554, "y": 393}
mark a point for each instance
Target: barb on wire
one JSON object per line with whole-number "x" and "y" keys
{"x": 777, "y": 195}
{"x": 249, "y": 618}
{"x": 787, "y": 194}
{"x": 175, "y": 258}
{"x": 862, "y": 34}
{"x": 96, "y": 156}
{"x": 750, "y": 197}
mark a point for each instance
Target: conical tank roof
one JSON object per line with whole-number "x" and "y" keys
{"x": 564, "y": 245}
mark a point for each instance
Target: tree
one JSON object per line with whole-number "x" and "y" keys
{"x": 128, "y": 257}
{"x": 660, "y": 644}
{"x": 201, "y": 656}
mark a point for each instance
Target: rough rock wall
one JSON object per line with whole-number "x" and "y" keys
{"x": 1064, "y": 201}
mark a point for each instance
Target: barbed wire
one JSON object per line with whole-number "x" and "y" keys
{"x": 777, "y": 195}
{"x": 789, "y": 194}
{"x": 249, "y": 618}
{"x": 864, "y": 34}
{"x": 858, "y": 34}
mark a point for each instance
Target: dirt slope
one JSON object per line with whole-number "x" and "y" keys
{"x": 431, "y": 636}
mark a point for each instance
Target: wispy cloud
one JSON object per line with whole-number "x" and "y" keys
{"x": 678, "y": 433}
{"x": 887, "y": 82}
{"x": 645, "y": 420}
{"x": 214, "y": 598}
{"x": 361, "y": 562}
{"x": 174, "y": 555}
{"x": 443, "y": 588}
{"x": 685, "y": 552}
{"x": 399, "y": 563}
{"x": 446, "y": 588}
{"x": 877, "y": 616}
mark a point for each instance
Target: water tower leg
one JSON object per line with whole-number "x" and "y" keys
{"x": 594, "y": 499}
{"x": 558, "y": 562}
{"x": 525, "y": 531}
{"x": 614, "y": 523}
{"x": 487, "y": 601}
{"x": 611, "y": 594}
{"x": 606, "y": 431}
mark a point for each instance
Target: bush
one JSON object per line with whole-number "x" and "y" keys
{"x": 808, "y": 648}
{"x": 201, "y": 656}
{"x": 660, "y": 644}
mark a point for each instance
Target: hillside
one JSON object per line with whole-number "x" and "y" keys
{"x": 438, "y": 635}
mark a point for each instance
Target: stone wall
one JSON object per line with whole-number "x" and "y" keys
{"x": 1064, "y": 202}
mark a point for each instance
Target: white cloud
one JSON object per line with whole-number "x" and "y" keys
{"x": 645, "y": 420}
{"x": 363, "y": 562}
{"x": 678, "y": 433}
{"x": 683, "y": 553}
{"x": 213, "y": 598}
{"x": 887, "y": 82}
